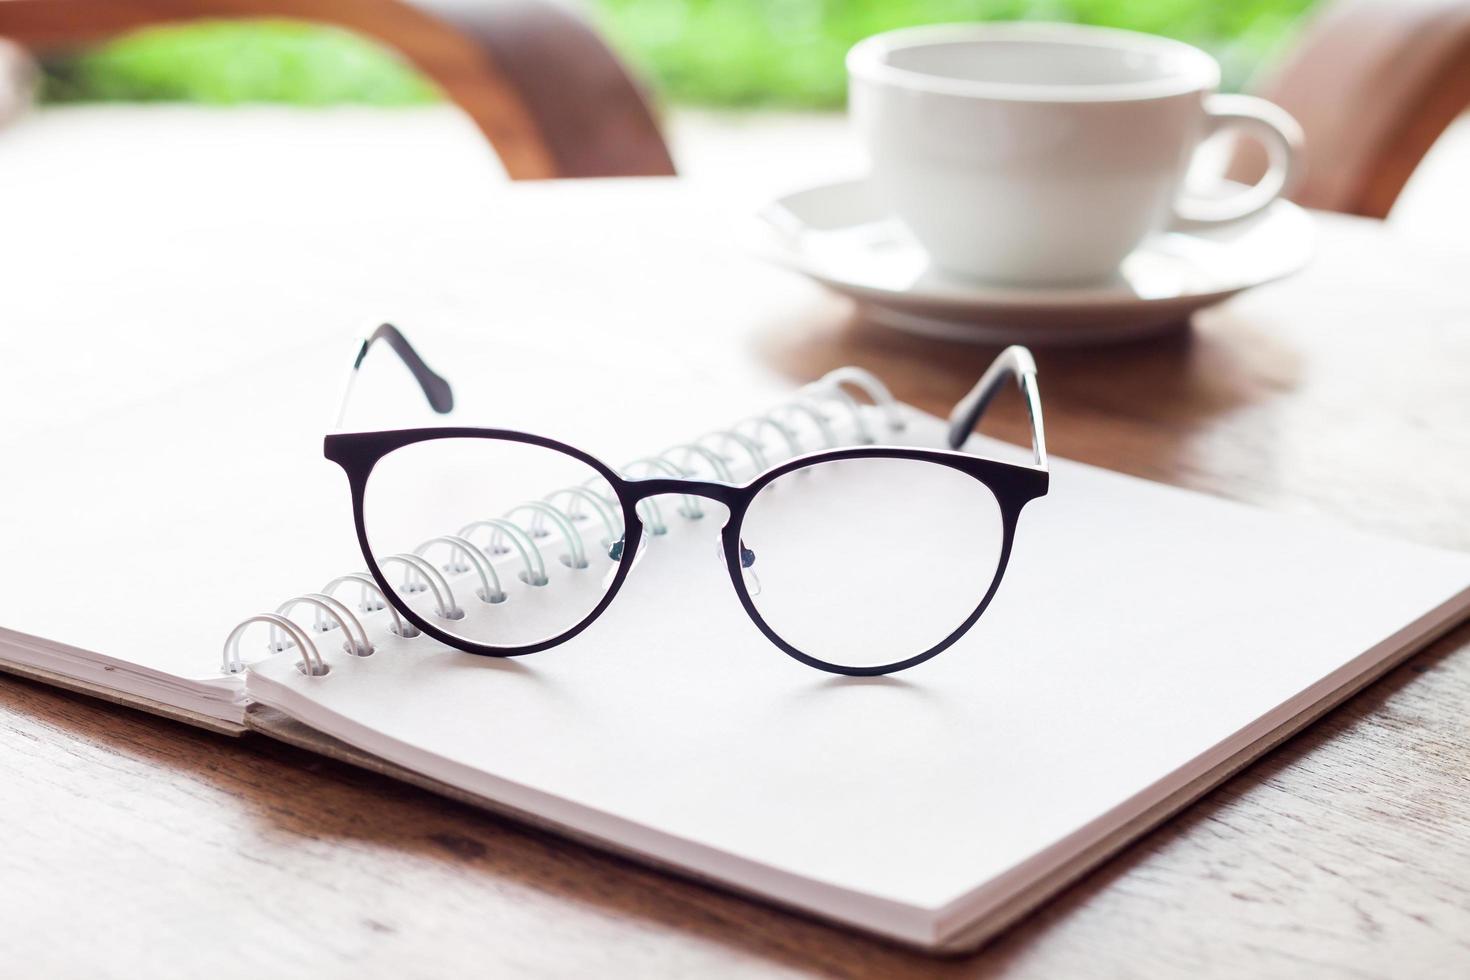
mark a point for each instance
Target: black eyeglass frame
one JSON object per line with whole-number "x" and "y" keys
{"x": 1013, "y": 485}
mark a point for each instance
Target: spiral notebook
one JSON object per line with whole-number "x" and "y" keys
{"x": 1147, "y": 642}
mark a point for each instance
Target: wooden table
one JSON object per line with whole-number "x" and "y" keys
{"x": 139, "y": 847}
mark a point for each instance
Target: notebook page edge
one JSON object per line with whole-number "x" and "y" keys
{"x": 1146, "y": 813}
{"x": 971, "y": 919}
{"x": 885, "y": 917}
{"x": 231, "y": 723}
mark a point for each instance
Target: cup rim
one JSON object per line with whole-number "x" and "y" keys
{"x": 867, "y": 60}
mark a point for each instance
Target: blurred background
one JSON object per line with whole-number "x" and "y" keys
{"x": 779, "y": 54}
{"x": 748, "y": 92}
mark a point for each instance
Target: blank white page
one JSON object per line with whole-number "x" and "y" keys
{"x": 1142, "y": 635}
{"x": 137, "y": 540}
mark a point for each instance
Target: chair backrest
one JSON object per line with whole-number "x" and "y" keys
{"x": 1374, "y": 83}
{"x": 547, "y": 93}
{"x": 18, "y": 80}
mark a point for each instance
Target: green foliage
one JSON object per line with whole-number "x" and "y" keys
{"x": 229, "y": 63}
{"x": 790, "y": 52}
{"x": 712, "y": 52}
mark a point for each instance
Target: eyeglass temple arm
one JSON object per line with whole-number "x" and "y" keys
{"x": 1016, "y": 362}
{"x": 435, "y": 388}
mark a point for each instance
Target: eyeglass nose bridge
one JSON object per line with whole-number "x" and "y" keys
{"x": 634, "y": 491}
{"x": 722, "y": 493}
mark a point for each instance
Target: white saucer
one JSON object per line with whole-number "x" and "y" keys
{"x": 839, "y": 235}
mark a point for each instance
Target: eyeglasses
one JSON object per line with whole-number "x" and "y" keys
{"x": 860, "y": 561}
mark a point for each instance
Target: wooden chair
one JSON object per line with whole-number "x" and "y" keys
{"x": 547, "y": 93}
{"x": 1374, "y": 83}
{"x": 18, "y": 80}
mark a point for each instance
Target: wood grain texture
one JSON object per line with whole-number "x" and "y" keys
{"x": 138, "y": 847}
{"x": 547, "y": 93}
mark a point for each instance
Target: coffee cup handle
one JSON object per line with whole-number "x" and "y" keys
{"x": 1282, "y": 138}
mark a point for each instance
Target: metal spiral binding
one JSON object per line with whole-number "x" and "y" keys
{"x": 370, "y": 586}
{"x": 311, "y": 661}
{"x": 541, "y": 511}
{"x": 832, "y": 384}
{"x": 662, "y": 467}
{"x": 721, "y": 453}
{"x": 691, "y": 450}
{"x": 357, "y": 643}
{"x": 612, "y": 520}
{"x": 489, "y": 590}
{"x": 750, "y": 447}
{"x": 649, "y": 511}
{"x": 504, "y": 530}
{"x": 418, "y": 576}
{"x": 811, "y": 410}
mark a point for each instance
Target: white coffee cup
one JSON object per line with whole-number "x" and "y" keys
{"x": 1042, "y": 154}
